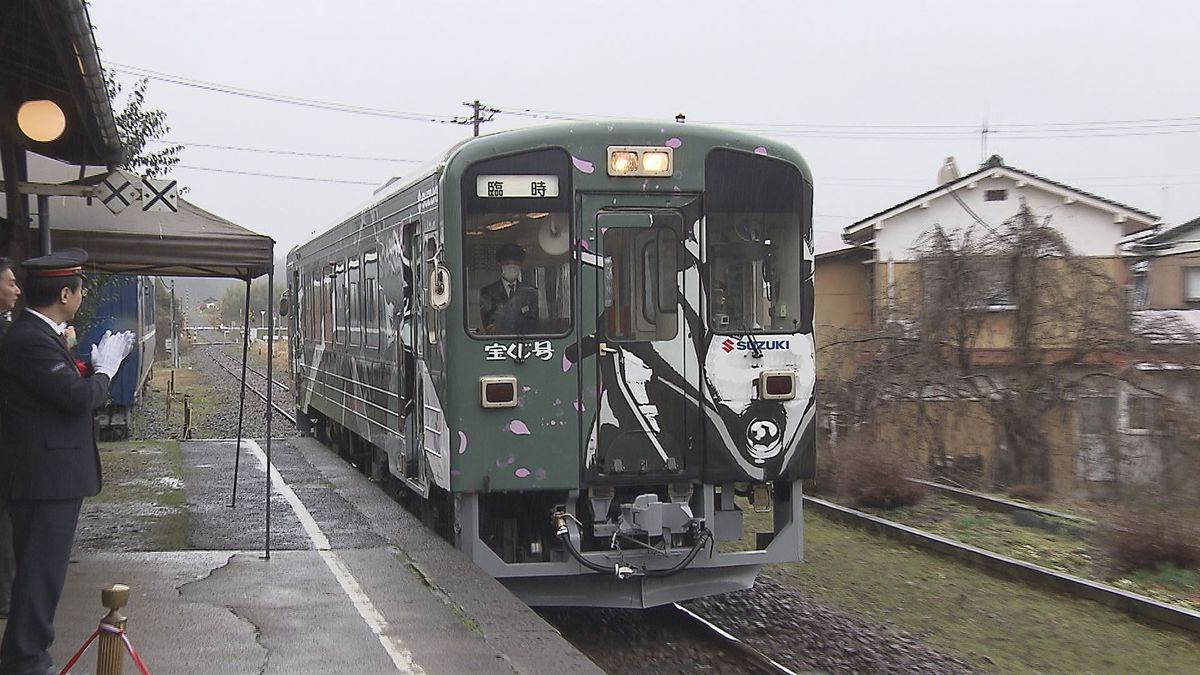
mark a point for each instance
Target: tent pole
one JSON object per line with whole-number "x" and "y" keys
{"x": 237, "y": 458}
{"x": 270, "y": 389}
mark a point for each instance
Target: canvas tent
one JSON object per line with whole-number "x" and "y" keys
{"x": 191, "y": 242}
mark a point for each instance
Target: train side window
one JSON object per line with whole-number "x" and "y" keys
{"x": 339, "y": 304}
{"x": 354, "y": 300}
{"x": 327, "y": 303}
{"x": 371, "y": 303}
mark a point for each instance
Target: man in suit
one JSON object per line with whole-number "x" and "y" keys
{"x": 48, "y": 456}
{"x": 9, "y": 292}
{"x": 509, "y": 306}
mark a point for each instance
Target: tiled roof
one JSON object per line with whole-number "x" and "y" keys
{"x": 997, "y": 162}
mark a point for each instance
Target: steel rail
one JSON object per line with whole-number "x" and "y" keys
{"x": 756, "y": 661}
{"x": 1000, "y": 504}
{"x": 1133, "y": 604}
{"x": 288, "y": 416}
{"x": 254, "y": 370}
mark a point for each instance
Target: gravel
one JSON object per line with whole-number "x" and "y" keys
{"x": 804, "y": 635}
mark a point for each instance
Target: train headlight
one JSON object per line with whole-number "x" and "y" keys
{"x": 636, "y": 160}
{"x": 656, "y": 163}
{"x": 498, "y": 391}
{"x": 621, "y": 163}
{"x": 776, "y": 385}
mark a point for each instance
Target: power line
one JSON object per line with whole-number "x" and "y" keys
{"x": 275, "y": 175}
{"x": 297, "y": 153}
{"x": 280, "y": 98}
{"x": 857, "y": 131}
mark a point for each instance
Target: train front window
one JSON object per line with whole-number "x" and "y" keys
{"x": 517, "y": 243}
{"x": 754, "y": 240}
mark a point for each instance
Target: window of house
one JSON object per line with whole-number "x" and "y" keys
{"x": 1140, "y": 413}
{"x": 982, "y": 283}
{"x": 1191, "y": 284}
{"x": 1096, "y": 452}
{"x": 1138, "y": 293}
{"x": 995, "y": 195}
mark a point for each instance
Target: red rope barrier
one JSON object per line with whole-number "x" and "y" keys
{"x": 137, "y": 660}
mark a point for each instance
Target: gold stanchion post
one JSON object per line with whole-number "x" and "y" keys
{"x": 110, "y": 659}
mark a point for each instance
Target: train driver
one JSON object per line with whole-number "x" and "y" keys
{"x": 509, "y": 305}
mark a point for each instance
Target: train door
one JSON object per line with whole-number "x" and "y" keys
{"x": 641, "y": 425}
{"x": 409, "y": 352}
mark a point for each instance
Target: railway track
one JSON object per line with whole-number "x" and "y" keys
{"x": 1133, "y": 604}
{"x": 233, "y": 362}
{"x": 279, "y": 409}
{"x": 755, "y": 661}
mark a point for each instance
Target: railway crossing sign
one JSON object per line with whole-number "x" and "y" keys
{"x": 160, "y": 195}
{"x": 119, "y": 189}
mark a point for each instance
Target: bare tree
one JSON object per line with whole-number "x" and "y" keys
{"x": 1007, "y": 321}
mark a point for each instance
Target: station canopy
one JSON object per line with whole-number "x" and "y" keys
{"x": 189, "y": 243}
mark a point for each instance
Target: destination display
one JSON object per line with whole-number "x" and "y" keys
{"x": 516, "y": 186}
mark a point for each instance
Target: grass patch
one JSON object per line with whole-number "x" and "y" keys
{"x": 142, "y": 506}
{"x": 995, "y": 624}
{"x": 1059, "y": 550}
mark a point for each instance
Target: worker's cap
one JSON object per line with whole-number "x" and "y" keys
{"x": 67, "y": 262}
{"x": 510, "y": 253}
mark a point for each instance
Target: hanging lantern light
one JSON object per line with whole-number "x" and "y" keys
{"x": 42, "y": 120}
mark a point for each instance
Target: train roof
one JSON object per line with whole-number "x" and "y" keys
{"x": 583, "y": 137}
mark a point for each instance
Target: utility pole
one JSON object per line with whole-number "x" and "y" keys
{"x": 983, "y": 143}
{"x": 174, "y": 337}
{"x": 477, "y": 114}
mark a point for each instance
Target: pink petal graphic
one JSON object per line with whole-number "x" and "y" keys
{"x": 517, "y": 427}
{"x": 584, "y": 245}
{"x": 583, "y": 165}
{"x": 673, "y": 142}
{"x": 462, "y": 442}
{"x": 500, "y": 462}
{"x": 760, "y": 150}
{"x": 521, "y": 473}
{"x": 578, "y": 405}
{"x": 510, "y": 460}
{"x": 540, "y": 474}
{"x": 566, "y": 363}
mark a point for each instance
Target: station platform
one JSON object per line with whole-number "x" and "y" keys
{"x": 354, "y": 583}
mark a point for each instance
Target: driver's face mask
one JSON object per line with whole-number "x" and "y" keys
{"x": 510, "y": 273}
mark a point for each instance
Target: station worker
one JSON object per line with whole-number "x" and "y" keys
{"x": 509, "y": 306}
{"x": 48, "y": 456}
{"x": 9, "y": 293}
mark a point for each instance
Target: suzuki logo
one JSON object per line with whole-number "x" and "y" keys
{"x": 730, "y": 345}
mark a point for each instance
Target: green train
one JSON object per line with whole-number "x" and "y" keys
{"x": 575, "y": 346}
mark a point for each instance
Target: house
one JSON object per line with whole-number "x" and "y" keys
{"x": 986, "y": 323}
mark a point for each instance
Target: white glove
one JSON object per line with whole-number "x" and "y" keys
{"x": 110, "y": 351}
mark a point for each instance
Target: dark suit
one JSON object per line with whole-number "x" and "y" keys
{"x": 505, "y": 314}
{"x": 48, "y": 463}
{"x": 7, "y": 562}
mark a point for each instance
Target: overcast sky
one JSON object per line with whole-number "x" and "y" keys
{"x": 874, "y": 94}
